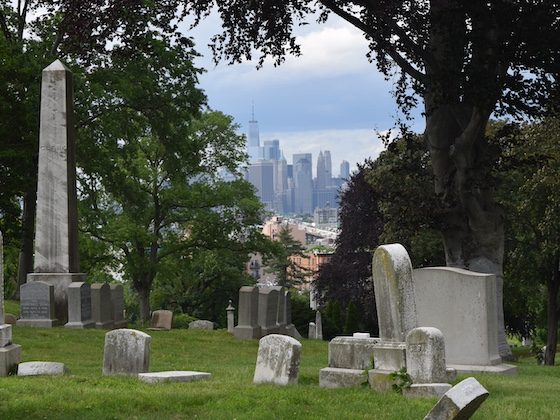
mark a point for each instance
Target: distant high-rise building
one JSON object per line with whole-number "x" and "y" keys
{"x": 271, "y": 149}
{"x": 328, "y": 166}
{"x": 345, "y": 170}
{"x": 254, "y": 149}
{"x": 261, "y": 175}
{"x": 321, "y": 180}
{"x": 303, "y": 180}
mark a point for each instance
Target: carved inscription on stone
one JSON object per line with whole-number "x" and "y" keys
{"x": 36, "y": 300}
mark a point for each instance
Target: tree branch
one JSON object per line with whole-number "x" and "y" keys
{"x": 389, "y": 49}
{"x": 4, "y": 26}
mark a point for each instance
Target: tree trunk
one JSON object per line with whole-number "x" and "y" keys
{"x": 25, "y": 265}
{"x": 471, "y": 222}
{"x": 144, "y": 302}
{"x": 552, "y": 286}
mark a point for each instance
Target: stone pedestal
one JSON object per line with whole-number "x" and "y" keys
{"x": 101, "y": 305}
{"x": 230, "y": 310}
{"x": 268, "y": 310}
{"x": 10, "y": 356}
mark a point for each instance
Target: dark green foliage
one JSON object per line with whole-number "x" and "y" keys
{"x": 280, "y": 262}
{"x": 352, "y": 324}
{"x": 332, "y": 319}
{"x": 182, "y": 320}
{"x": 302, "y": 314}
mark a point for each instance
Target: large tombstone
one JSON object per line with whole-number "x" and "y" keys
{"x": 248, "y": 315}
{"x": 462, "y": 304}
{"x": 117, "y": 306}
{"x": 56, "y": 232}
{"x": 10, "y": 354}
{"x": 277, "y": 360}
{"x": 268, "y": 310}
{"x": 101, "y": 305}
{"x": 394, "y": 292}
{"x": 37, "y": 303}
{"x": 79, "y": 306}
{"x": 126, "y": 352}
{"x": 396, "y": 311}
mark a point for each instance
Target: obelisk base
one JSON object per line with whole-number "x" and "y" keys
{"x": 10, "y": 356}
{"x": 60, "y": 281}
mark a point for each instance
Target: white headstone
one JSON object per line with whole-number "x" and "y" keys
{"x": 126, "y": 352}
{"x": 425, "y": 355}
{"x": 277, "y": 360}
{"x": 318, "y": 326}
{"x": 460, "y": 402}
{"x": 394, "y": 292}
{"x": 173, "y": 376}
{"x": 41, "y": 368}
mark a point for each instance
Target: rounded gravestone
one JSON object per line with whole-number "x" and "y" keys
{"x": 127, "y": 352}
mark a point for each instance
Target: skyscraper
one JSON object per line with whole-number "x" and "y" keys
{"x": 254, "y": 149}
{"x": 321, "y": 180}
{"x": 303, "y": 180}
{"x": 345, "y": 170}
{"x": 271, "y": 149}
{"x": 261, "y": 175}
{"x": 328, "y": 167}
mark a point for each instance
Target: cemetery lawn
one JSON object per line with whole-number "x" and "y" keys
{"x": 230, "y": 394}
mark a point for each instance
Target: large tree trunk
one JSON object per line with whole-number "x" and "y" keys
{"x": 25, "y": 265}
{"x": 144, "y": 303}
{"x": 471, "y": 223}
{"x": 552, "y": 287}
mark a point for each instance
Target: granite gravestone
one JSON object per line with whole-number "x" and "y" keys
{"x": 10, "y": 354}
{"x": 101, "y": 305}
{"x": 247, "y": 318}
{"x": 79, "y": 306}
{"x": 56, "y": 232}
{"x": 268, "y": 310}
{"x": 230, "y": 312}
{"x": 37, "y": 305}
{"x": 117, "y": 306}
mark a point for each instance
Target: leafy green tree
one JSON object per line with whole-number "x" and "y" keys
{"x": 153, "y": 193}
{"x": 282, "y": 261}
{"x": 465, "y": 60}
{"x": 531, "y": 168}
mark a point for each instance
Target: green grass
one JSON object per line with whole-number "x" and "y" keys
{"x": 230, "y": 394}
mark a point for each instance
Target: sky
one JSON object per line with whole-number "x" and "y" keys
{"x": 329, "y": 98}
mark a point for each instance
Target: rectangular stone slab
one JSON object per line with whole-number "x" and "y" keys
{"x": 173, "y": 376}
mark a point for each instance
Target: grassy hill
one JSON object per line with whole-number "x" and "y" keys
{"x": 230, "y": 394}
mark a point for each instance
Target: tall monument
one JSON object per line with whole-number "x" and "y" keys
{"x": 56, "y": 225}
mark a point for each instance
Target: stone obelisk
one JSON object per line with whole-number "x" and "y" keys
{"x": 56, "y": 225}
{"x": 10, "y": 354}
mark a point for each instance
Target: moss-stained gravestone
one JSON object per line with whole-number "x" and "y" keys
{"x": 126, "y": 352}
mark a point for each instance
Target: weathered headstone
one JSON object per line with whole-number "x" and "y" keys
{"x": 10, "y": 354}
{"x": 425, "y": 363}
{"x": 41, "y": 369}
{"x": 117, "y": 302}
{"x": 318, "y": 326}
{"x": 281, "y": 311}
{"x": 56, "y": 233}
{"x": 37, "y": 305}
{"x": 230, "y": 311}
{"x": 161, "y": 320}
{"x": 101, "y": 305}
{"x": 396, "y": 311}
{"x": 460, "y": 402}
{"x": 173, "y": 376}
{"x": 201, "y": 324}
{"x": 79, "y": 306}
{"x": 277, "y": 360}
{"x": 268, "y": 310}
{"x": 312, "y": 331}
{"x": 462, "y": 304}
{"x": 394, "y": 292}
{"x": 248, "y": 314}
{"x": 126, "y": 352}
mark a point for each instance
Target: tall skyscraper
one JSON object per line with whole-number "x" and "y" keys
{"x": 254, "y": 149}
{"x": 271, "y": 149}
{"x": 321, "y": 180}
{"x": 328, "y": 166}
{"x": 261, "y": 175}
{"x": 345, "y": 170}
{"x": 303, "y": 182}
